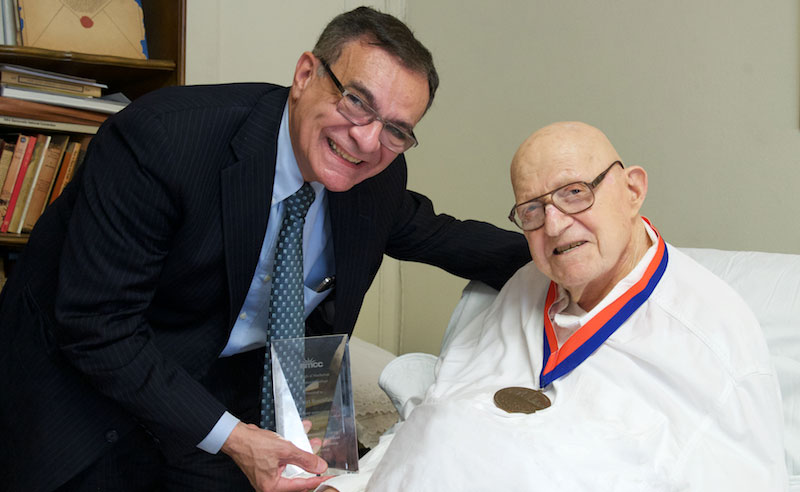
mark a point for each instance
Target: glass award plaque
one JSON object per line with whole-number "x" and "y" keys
{"x": 311, "y": 381}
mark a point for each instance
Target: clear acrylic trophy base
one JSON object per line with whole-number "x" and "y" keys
{"x": 325, "y": 399}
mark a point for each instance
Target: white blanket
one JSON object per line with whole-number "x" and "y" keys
{"x": 682, "y": 397}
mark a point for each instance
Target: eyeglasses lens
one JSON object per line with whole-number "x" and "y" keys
{"x": 358, "y": 113}
{"x": 571, "y": 199}
{"x": 354, "y": 110}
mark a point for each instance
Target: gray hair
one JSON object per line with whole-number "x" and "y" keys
{"x": 381, "y": 30}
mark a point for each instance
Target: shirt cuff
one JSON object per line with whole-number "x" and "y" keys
{"x": 219, "y": 434}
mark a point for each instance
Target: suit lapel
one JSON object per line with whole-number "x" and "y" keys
{"x": 351, "y": 222}
{"x": 247, "y": 194}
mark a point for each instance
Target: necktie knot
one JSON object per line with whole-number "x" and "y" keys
{"x": 297, "y": 205}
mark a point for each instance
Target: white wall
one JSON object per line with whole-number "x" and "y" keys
{"x": 257, "y": 40}
{"x": 703, "y": 94}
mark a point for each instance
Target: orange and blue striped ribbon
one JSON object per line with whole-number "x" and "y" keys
{"x": 590, "y": 336}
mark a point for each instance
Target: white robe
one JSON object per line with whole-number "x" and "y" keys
{"x": 683, "y": 396}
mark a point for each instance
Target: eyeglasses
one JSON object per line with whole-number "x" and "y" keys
{"x": 570, "y": 199}
{"x": 359, "y": 113}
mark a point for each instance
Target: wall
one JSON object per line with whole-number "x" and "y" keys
{"x": 257, "y": 40}
{"x": 705, "y": 99}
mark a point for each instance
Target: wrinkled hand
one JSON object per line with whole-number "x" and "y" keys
{"x": 263, "y": 455}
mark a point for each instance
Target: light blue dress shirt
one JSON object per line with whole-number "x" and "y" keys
{"x": 250, "y": 329}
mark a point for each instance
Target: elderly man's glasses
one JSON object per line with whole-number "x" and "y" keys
{"x": 569, "y": 199}
{"x": 359, "y": 113}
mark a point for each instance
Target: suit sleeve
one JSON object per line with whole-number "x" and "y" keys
{"x": 118, "y": 238}
{"x": 469, "y": 249}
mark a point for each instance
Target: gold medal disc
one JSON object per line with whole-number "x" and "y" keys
{"x": 521, "y": 400}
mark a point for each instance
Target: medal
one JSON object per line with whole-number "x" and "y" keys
{"x": 521, "y": 400}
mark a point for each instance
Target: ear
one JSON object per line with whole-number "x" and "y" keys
{"x": 304, "y": 73}
{"x": 637, "y": 187}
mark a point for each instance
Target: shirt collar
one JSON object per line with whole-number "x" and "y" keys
{"x": 288, "y": 178}
{"x": 571, "y": 316}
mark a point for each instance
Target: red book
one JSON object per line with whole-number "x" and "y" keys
{"x": 12, "y": 202}
{"x": 11, "y": 174}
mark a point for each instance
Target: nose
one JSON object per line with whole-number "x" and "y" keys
{"x": 367, "y": 136}
{"x": 555, "y": 221}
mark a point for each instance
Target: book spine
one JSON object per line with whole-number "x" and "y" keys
{"x": 26, "y": 192}
{"x": 84, "y": 139}
{"x": 39, "y": 111}
{"x": 5, "y": 160}
{"x": 44, "y": 183}
{"x": 12, "y": 202}
{"x": 13, "y": 171}
{"x": 48, "y": 125}
{"x": 67, "y": 168}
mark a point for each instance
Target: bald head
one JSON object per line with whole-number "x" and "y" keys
{"x": 572, "y": 146}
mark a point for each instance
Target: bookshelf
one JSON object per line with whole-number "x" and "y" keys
{"x": 165, "y": 31}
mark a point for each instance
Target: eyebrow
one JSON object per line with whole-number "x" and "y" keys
{"x": 371, "y": 101}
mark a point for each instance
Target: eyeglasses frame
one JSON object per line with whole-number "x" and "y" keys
{"x": 591, "y": 185}
{"x": 375, "y": 116}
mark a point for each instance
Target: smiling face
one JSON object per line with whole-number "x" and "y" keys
{"x": 589, "y": 252}
{"x": 331, "y": 150}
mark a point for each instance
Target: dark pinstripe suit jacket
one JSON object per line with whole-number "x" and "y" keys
{"x": 131, "y": 281}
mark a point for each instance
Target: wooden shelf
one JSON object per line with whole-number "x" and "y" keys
{"x": 73, "y": 62}
{"x": 165, "y": 28}
{"x": 9, "y": 240}
{"x": 165, "y": 32}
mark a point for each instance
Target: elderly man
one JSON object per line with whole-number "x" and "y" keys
{"x": 206, "y": 222}
{"x": 644, "y": 371}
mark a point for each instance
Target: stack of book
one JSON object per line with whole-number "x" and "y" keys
{"x": 35, "y": 168}
{"x": 40, "y": 99}
{"x": 51, "y": 117}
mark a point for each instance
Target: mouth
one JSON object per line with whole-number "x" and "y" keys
{"x": 344, "y": 155}
{"x": 567, "y": 248}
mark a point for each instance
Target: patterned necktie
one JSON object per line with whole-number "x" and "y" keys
{"x": 286, "y": 306}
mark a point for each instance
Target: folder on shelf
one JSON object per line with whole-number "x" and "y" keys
{"x": 108, "y": 104}
{"x": 50, "y": 81}
{"x": 106, "y": 27}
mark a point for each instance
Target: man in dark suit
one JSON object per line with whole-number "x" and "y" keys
{"x": 135, "y": 324}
